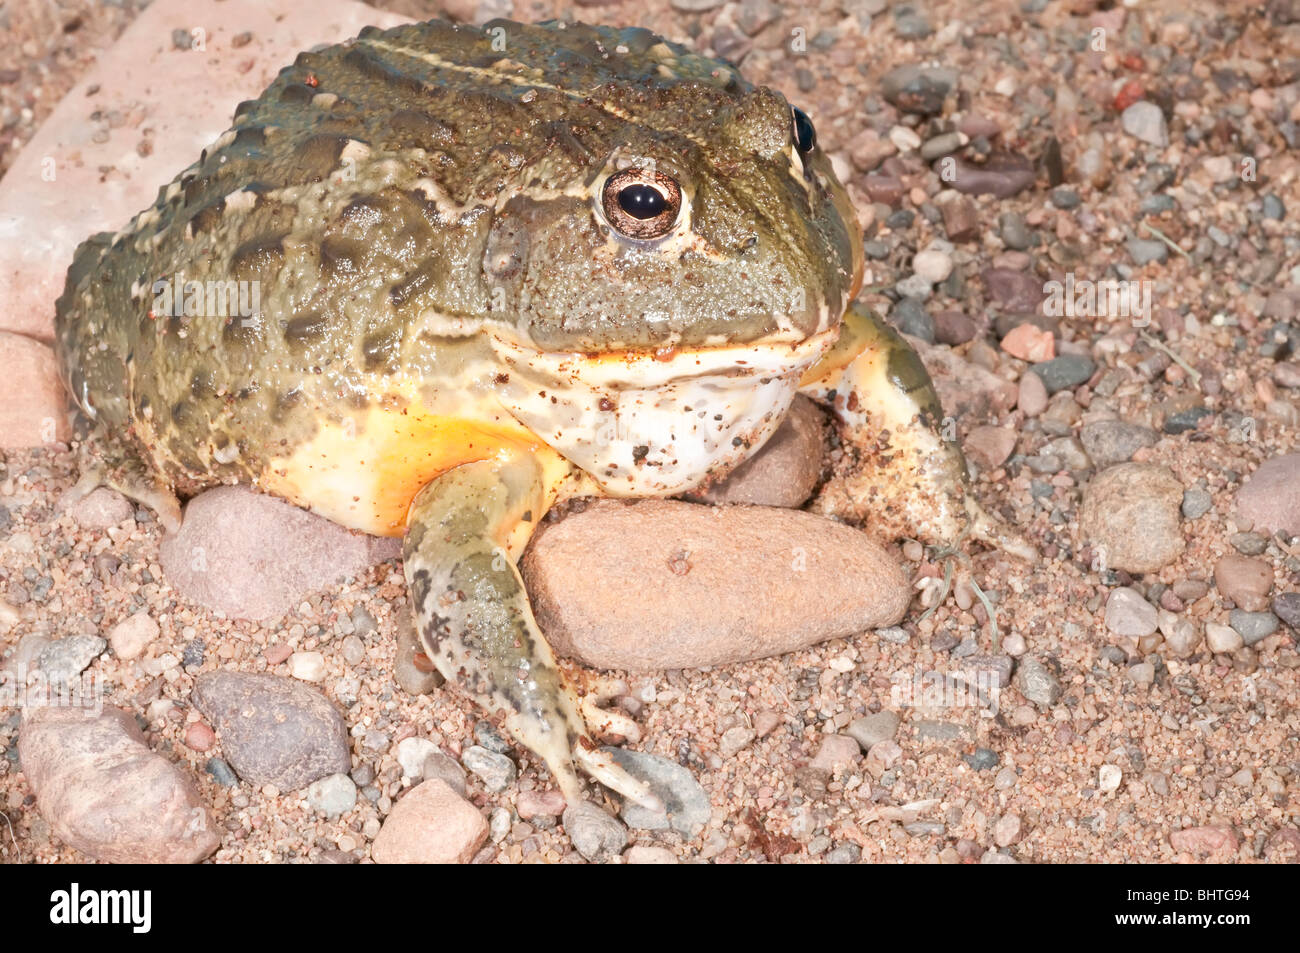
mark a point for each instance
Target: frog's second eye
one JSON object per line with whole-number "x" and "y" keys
{"x": 641, "y": 203}
{"x": 805, "y": 136}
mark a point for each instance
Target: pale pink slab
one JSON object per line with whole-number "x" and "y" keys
{"x": 81, "y": 174}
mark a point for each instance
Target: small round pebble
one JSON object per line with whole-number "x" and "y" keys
{"x": 332, "y": 795}
{"x": 496, "y": 771}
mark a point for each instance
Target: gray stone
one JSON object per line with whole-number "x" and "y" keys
{"x": 496, "y": 771}
{"x": 1248, "y": 544}
{"x": 918, "y": 89}
{"x": 1037, "y": 683}
{"x": 1286, "y": 606}
{"x": 1143, "y": 120}
{"x": 64, "y": 659}
{"x": 274, "y": 730}
{"x": 595, "y": 834}
{"x": 869, "y": 729}
{"x": 1146, "y": 250}
{"x": 1109, "y": 442}
{"x": 1065, "y": 372}
{"x": 910, "y": 317}
{"x": 686, "y": 803}
{"x": 1252, "y": 626}
{"x": 332, "y": 795}
{"x": 1196, "y": 503}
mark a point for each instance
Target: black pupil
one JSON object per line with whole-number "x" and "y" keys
{"x": 805, "y": 137}
{"x": 642, "y": 201}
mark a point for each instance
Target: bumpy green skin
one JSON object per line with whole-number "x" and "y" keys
{"x": 353, "y": 256}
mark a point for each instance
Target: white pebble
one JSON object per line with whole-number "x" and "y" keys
{"x": 1108, "y": 777}
{"x": 308, "y": 666}
{"x": 411, "y": 754}
{"x": 904, "y": 139}
{"x": 1222, "y": 638}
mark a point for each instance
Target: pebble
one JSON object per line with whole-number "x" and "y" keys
{"x": 844, "y": 854}
{"x": 687, "y": 805}
{"x": 445, "y": 768}
{"x": 496, "y": 771}
{"x": 1013, "y": 291}
{"x": 1286, "y": 606}
{"x": 221, "y": 772}
{"x": 1128, "y": 614}
{"x": 934, "y": 266}
{"x": 32, "y": 401}
{"x": 1007, "y": 830}
{"x": 1143, "y": 251}
{"x": 1015, "y": 233}
{"x": 1002, "y": 175}
{"x": 1270, "y": 499}
{"x": 1065, "y": 372}
{"x": 1144, "y": 120}
{"x": 910, "y": 317}
{"x": 588, "y": 573}
{"x": 1109, "y": 442}
{"x": 1142, "y": 674}
{"x": 332, "y": 795}
{"x": 273, "y": 730}
{"x": 1182, "y": 638}
{"x": 835, "y": 752}
{"x": 1196, "y": 503}
{"x": 1205, "y": 840}
{"x": 1222, "y": 639}
{"x": 1030, "y": 343}
{"x": 64, "y": 659}
{"x": 99, "y": 509}
{"x": 199, "y": 737}
{"x": 410, "y": 676}
{"x": 734, "y": 740}
{"x": 1248, "y": 544}
{"x": 1109, "y": 777}
{"x": 354, "y": 650}
{"x": 917, "y": 89}
{"x": 412, "y": 753}
{"x": 532, "y": 804}
{"x": 1036, "y": 682}
{"x": 1131, "y": 511}
{"x": 486, "y": 734}
{"x": 1184, "y": 420}
{"x": 961, "y": 220}
{"x": 870, "y": 729}
{"x": 1253, "y": 626}
{"x": 1245, "y": 581}
{"x": 982, "y": 759}
{"x": 307, "y": 666}
{"x": 953, "y": 328}
{"x": 785, "y": 470}
{"x": 431, "y": 824}
{"x": 989, "y": 447}
{"x": 642, "y": 854}
{"x": 254, "y": 556}
{"x": 1032, "y": 396}
{"x": 595, "y": 834}
{"x": 103, "y": 791}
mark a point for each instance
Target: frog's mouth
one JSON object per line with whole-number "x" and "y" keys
{"x": 656, "y": 423}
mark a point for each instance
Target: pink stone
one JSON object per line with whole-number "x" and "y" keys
{"x": 1030, "y": 343}
{"x": 33, "y": 403}
{"x": 432, "y": 824}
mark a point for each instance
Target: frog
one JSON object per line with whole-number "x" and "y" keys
{"x": 490, "y": 270}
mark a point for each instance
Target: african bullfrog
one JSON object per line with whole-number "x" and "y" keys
{"x": 438, "y": 278}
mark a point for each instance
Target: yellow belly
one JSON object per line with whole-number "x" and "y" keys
{"x": 365, "y": 472}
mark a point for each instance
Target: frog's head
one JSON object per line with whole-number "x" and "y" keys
{"x": 677, "y": 258}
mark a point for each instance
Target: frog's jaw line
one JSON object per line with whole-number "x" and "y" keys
{"x": 642, "y": 426}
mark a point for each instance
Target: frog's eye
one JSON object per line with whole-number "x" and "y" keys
{"x": 805, "y": 136}
{"x": 641, "y": 203}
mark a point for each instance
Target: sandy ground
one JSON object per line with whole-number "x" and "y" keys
{"x": 1205, "y": 741}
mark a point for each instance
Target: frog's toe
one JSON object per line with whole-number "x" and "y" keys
{"x": 606, "y": 770}
{"x": 606, "y": 724}
{"x": 104, "y": 462}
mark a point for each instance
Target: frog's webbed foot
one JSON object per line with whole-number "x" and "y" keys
{"x": 104, "y": 461}
{"x": 908, "y": 476}
{"x": 477, "y": 626}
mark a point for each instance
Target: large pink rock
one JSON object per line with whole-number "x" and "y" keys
{"x": 1271, "y": 497}
{"x": 81, "y": 175}
{"x": 658, "y": 584}
{"x": 254, "y": 556}
{"x": 106, "y": 794}
{"x": 33, "y": 405}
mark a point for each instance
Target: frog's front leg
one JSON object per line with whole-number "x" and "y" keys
{"x": 465, "y": 531}
{"x": 909, "y": 476}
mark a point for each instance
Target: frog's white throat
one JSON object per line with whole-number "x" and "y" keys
{"x": 650, "y": 424}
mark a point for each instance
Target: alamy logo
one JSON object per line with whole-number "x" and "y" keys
{"x": 76, "y": 906}
{"x": 175, "y": 297}
{"x": 1108, "y": 298}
